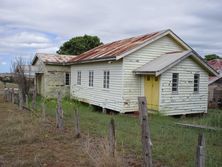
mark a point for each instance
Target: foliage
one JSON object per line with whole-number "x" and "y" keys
{"x": 212, "y": 57}
{"x": 79, "y": 44}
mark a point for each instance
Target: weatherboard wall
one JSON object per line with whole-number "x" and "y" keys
{"x": 185, "y": 101}
{"x": 133, "y": 85}
{"x": 110, "y": 98}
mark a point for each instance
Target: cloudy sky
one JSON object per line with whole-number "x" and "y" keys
{"x": 30, "y": 26}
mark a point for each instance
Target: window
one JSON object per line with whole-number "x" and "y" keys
{"x": 67, "y": 78}
{"x": 78, "y": 77}
{"x": 106, "y": 79}
{"x": 91, "y": 78}
{"x": 196, "y": 83}
{"x": 175, "y": 78}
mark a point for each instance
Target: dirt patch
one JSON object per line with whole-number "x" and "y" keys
{"x": 27, "y": 141}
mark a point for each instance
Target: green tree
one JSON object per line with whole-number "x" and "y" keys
{"x": 211, "y": 57}
{"x": 79, "y": 44}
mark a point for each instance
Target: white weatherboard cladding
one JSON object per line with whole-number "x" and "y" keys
{"x": 97, "y": 95}
{"x": 132, "y": 84}
{"x": 186, "y": 101}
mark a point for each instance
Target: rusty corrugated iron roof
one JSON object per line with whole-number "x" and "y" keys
{"x": 114, "y": 49}
{"x": 53, "y": 58}
{"x": 216, "y": 64}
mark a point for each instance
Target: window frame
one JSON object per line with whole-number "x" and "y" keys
{"x": 106, "y": 79}
{"x": 69, "y": 79}
{"x": 197, "y": 83}
{"x": 91, "y": 78}
{"x": 176, "y": 82}
{"x": 79, "y": 78}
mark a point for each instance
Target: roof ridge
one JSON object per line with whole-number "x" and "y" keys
{"x": 116, "y": 48}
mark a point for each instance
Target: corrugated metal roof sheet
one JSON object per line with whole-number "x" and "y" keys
{"x": 216, "y": 64}
{"x": 54, "y": 58}
{"x": 214, "y": 79}
{"x": 161, "y": 62}
{"x": 114, "y": 49}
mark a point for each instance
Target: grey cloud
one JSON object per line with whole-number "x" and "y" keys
{"x": 197, "y": 22}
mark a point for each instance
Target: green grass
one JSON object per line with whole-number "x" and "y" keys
{"x": 212, "y": 118}
{"x": 172, "y": 145}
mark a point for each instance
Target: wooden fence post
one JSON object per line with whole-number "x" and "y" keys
{"x": 112, "y": 138}
{"x": 13, "y": 96}
{"x": 5, "y": 95}
{"x": 8, "y": 95}
{"x": 145, "y": 132}
{"x": 43, "y": 111}
{"x": 20, "y": 100}
{"x": 77, "y": 125}
{"x": 34, "y": 100}
{"x": 59, "y": 113}
{"x": 26, "y": 101}
{"x": 200, "y": 155}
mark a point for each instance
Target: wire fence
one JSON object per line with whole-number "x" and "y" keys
{"x": 127, "y": 129}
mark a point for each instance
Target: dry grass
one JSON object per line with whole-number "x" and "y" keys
{"x": 27, "y": 141}
{"x": 8, "y": 85}
{"x": 98, "y": 151}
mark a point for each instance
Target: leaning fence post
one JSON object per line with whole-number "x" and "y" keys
{"x": 112, "y": 137}
{"x": 59, "y": 113}
{"x": 34, "y": 100}
{"x": 5, "y": 95}
{"x": 43, "y": 111}
{"x": 20, "y": 100}
{"x": 146, "y": 140}
{"x": 13, "y": 96}
{"x": 26, "y": 101}
{"x": 200, "y": 155}
{"x": 8, "y": 95}
{"x": 77, "y": 125}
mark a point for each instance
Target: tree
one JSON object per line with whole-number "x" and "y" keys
{"x": 212, "y": 57}
{"x": 79, "y": 44}
{"x": 20, "y": 76}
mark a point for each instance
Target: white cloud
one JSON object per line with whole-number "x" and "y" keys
{"x": 30, "y": 24}
{"x": 48, "y": 50}
{"x": 3, "y": 63}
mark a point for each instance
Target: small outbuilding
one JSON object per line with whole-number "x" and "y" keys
{"x": 215, "y": 85}
{"x": 52, "y": 74}
{"x": 160, "y": 66}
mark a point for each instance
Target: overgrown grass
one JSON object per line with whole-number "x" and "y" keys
{"x": 212, "y": 118}
{"x": 172, "y": 145}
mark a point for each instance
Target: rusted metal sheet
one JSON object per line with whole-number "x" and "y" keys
{"x": 216, "y": 64}
{"x": 53, "y": 58}
{"x": 113, "y": 49}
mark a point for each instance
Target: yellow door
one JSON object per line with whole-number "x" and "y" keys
{"x": 151, "y": 91}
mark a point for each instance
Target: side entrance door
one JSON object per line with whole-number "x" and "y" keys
{"x": 151, "y": 91}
